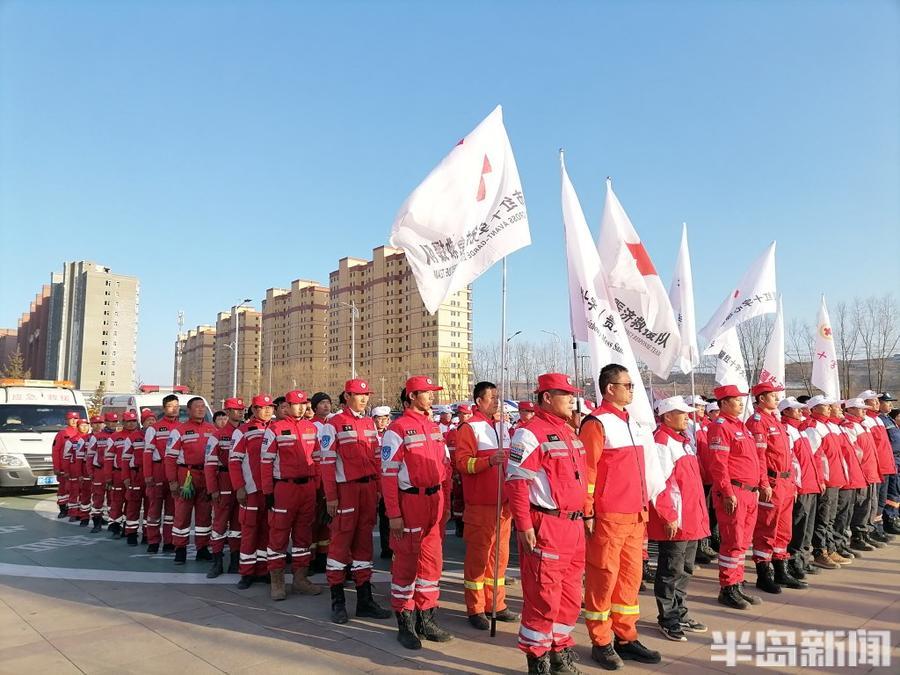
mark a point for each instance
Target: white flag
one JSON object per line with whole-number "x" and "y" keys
{"x": 824, "y": 364}
{"x": 730, "y": 366}
{"x": 773, "y": 361}
{"x": 594, "y": 315}
{"x": 754, "y": 295}
{"x": 681, "y": 294}
{"x": 465, "y": 216}
{"x": 637, "y": 290}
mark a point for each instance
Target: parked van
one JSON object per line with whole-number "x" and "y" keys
{"x": 150, "y": 396}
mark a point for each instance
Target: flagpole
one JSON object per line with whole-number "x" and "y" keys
{"x": 575, "y": 358}
{"x": 696, "y": 421}
{"x": 500, "y": 436}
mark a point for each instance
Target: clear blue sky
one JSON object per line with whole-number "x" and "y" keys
{"x": 218, "y": 149}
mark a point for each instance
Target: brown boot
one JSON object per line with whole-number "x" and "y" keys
{"x": 302, "y": 585}
{"x": 276, "y": 590}
{"x": 824, "y": 561}
{"x": 839, "y": 559}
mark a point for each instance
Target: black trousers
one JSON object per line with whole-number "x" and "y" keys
{"x": 826, "y": 509}
{"x": 841, "y": 529}
{"x": 673, "y": 572}
{"x": 804, "y": 520}
{"x": 384, "y": 528}
{"x": 861, "y": 518}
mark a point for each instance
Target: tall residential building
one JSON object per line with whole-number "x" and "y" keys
{"x": 198, "y": 360}
{"x": 248, "y": 364}
{"x": 395, "y": 337}
{"x": 34, "y": 336}
{"x": 9, "y": 341}
{"x": 294, "y": 335}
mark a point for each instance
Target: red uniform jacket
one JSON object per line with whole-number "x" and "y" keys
{"x": 682, "y": 501}
{"x": 883, "y": 452}
{"x": 116, "y": 454}
{"x": 350, "y": 451}
{"x": 773, "y": 446}
{"x": 135, "y": 458}
{"x": 734, "y": 456}
{"x": 826, "y": 447}
{"x": 288, "y": 450}
{"x": 244, "y": 460}
{"x": 807, "y": 471}
{"x": 188, "y": 446}
{"x": 865, "y": 451}
{"x": 215, "y": 470}
{"x": 59, "y": 442}
{"x": 102, "y": 448}
{"x": 156, "y": 438}
{"x": 476, "y": 441}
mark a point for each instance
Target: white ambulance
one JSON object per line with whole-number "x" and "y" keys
{"x": 31, "y": 412}
{"x": 150, "y": 396}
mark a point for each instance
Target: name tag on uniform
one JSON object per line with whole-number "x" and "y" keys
{"x": 552, "y": 437}
{"x": 347, "y": 427}
{"x": 285, "y": 432}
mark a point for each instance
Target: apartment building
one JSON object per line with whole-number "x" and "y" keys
{"x": 248, "y": 322}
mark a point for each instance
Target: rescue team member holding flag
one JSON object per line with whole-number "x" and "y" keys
{"x": 738, "y": 476}
{"x": 185, "y": 457}
{"x": 415, "y": 478}
{"x": 616, "y": 517}
{"x": 546, "y": 485}
{"x": 678, "y": 519}
{"x": 479, "y": 457}
{"x": 350, "y": 467}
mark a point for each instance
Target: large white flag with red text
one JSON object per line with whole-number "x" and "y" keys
{"x": 681, "y": 294}
{"x": 754, "y": 295}
{"x": 638, "y": 292}
{"x": 773, "y": 360}
{"x": 730, "y": 365}
{"x": 592, "y": 315}
{"x": 824, "y": 362}
{"x": 467, "y": 214}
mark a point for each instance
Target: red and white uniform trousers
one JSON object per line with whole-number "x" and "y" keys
{"x": 774, "y": 520}
{"x": 198, "y": 505}
{"x": 351, "y": 532}
{"x": 290, "y": 521}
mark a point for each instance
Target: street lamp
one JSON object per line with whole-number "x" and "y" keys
{"x": 234, "y": 349}
{"x": 354, "y": 314}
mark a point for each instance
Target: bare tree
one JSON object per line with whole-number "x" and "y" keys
{"x": 799, "y": 352}
{"x": 754, "y": 337}
{"x": 846, "y": 332}
{"x": 879, "y": 334}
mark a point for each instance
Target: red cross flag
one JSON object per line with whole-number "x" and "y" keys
{"x": 824, "y": 363}
{"x": 465, "y": 216}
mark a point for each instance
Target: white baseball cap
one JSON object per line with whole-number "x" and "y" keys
{"x": 695, "y": 400}
{"x": 790, "y": 402}
{"x": 857, "y": 402}
{"x": 381, "y": 410}
{"x": 672, "y": 404}
{"x": 712, "y": 406}
{"x": 821, "y": 399}
{"x": 868, "y": 393}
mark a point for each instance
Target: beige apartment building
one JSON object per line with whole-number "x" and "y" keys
{"x": 249, "y": 323}
{"x": 294, "y": 336}
{"x": 197, "y": 360}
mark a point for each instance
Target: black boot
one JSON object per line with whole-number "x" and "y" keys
{"x": 635, "y": 651}
{"x": 203, "y": 554}
{"x": 143, "y": 538}
{"x": 784, "y": 578}
{"x": 563, "y": 662}
{"x": 606, "y": 656}
{"x": 459, "y": 528}
{"x": 181, "y": 555}
{"x": 857, "y": 543}
{"x": 245, "y": 582}
{"x": 765, "y": 578}
{"x": 318, "y": 564}
{"x": 730, "y": 596}
{"x": 338, "y": 604}
{"x": 892, "y": 525}
{"x": 407, "y": 635}
{"x": 539, "y": 665}
{"x": 216, "y": 569}
{"x": 366, "y": 605}
{"x": 795, "y": 568}
{"x": 115, "y": 529}
{"x": 168, "y": 548}
{"x": 98, "y": 525}
{"x": 427, "y": 627}
{"x": 132, "y": 539}
{"x": 752, "y": 599}
{"x": 83, "y": 523}
{"x": 63, "y": 511}
{"x": 705, "y": 554}
{"x": 234, "y": 563}
{"x": 153, "y": 548}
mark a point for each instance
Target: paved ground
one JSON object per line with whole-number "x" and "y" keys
{"x": 73, "y": 602}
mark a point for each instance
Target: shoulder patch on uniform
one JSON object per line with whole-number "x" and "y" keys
{"x": 410, "y": 432}
{"x": 163, "y": 428}
{"x": 190, "y": 432}
{"x": 347, "y": 427}
{"x": 720, "y": 420}
{"x": 552, "y": 437}
{"x": 516, "y": 452}
{"x": 285, "y": 432}
{"x": 385, "y": 452}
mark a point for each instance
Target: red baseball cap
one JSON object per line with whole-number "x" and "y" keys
{"x": 765, "y": 388}
{"x": 421, "y": 383}
{"x": 72, "y": 415}
{"x": 357, "y": 386}
{"x": 727, "y": 391}
{"x": 146, "y": 412}
{"x": 526, "y": 406}
{"x": 96, "y": 419}
{"x": 234, "y": 404}
{"x": 262, "y": 400}
{"x": 296, "y": 396}
{"x": 129, "y": 416}
{"x": 557, "y": 381}
{"x": 110, "y": 417}
{"x": 464, "y": 409}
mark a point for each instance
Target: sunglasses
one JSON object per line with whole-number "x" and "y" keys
{"x": 628, "y": 385}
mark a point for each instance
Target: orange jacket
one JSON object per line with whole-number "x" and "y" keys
{"x": 476, "y": 441}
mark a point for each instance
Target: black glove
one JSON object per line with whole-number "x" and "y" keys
{"x": 270, "y": 501}
{"x": 324, "y": 518}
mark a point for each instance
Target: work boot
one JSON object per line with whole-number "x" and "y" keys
{"x": 508, "y": 616}
{"x": 63, "y": 511}
{"x": 406, "y": 635}
{"x": 479, "y": 621}
{"x": 539, "y": 665}
{"x": 847, "y": 553}
{"x": 877, "y": 535}
{"x": 302, "y": 585}
{"x": 730, "y": 596}
{"x": 563, "y": 662}
{"x": 784, "y": 578}
{"x": 752, "y": 599}
{"x": 234, "y": 562}
{"x": 606, "y": 656}
{"x": 857, "y": 543}
{"x": 246, "y": 581}
{"x": 824, "y": 561}
{"x": 203, "y": 554}
{"x": 216, "y": 569}
{"x": 427, "y": 627}
{"x": 635, "y": 651}
{"x": 839, "y": 559}
{"x": 796, "y": 569}
{"x": 114, "y": 529}
{"x": 366, "y": 605}
{"x": 181, "y": 555}
{"x": 892, "y": 525}
{"x": 98, "y": 525}
{"x": 765, "y": 578}
{"x": 153, "y": 548}
{"x": 132, "y": 539}
{"x": 338, "y": 604}
{"x": 168, "y": 548}
{"x": 705, "y": 553}
{"x": 84, "y": 522}
{"x": 74, "y": 519}
{"x": 871, "y": 541}
{"x": 277, "y": 590}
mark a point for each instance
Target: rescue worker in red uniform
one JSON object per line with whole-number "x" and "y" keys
{"x": 546, "y": 485}
{"x": 526, "y": 414}
{"x": 59, "y": 467}
{"x": 415, "y": 480}
{"x": 321, "y": 406}
{"x": 381, "y": 416}
{"x": 457, "y": 499}
{"x": 288, "y": 479}
{"x": 886, "y": 465}
{"x": 133, "y": 469}
{"x": 118, "y": 477}
{"x": 97, "y": 457}
{"x": 185, "y": 458}
{"x": 72, "y": 471}
{"x": 84, "y": 471}
{"x": 806, "y": 475}
{"x": 678, "y": 519}
{"x": 739, "y": 483}
{"x": 826, "y": 449}
{"x": 161, "y": 509}
{"x": 772, "y": 533}
{"x": 244, "y": 471}
{"x": 351, "y": 466}
{"x": 226, "y": 523}
{"x": 865, "y": 502}
{"x": 616, "y": 510}
{"x": 480, "y": 459}
{"x": 706, "y": 550}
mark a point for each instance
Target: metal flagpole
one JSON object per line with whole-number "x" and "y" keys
{"x": 575, "y": 359}
{"x": 696, "y": 421}
{"x": 501, "y": 434}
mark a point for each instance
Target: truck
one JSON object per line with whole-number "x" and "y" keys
{"x": 150, "y": 396}
{"x": 31, "y": 412}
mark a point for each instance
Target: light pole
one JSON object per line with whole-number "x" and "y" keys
{"x": 559, "y": 340}
{"x": 237, "y": 336}
{"x": 505, "y": 374}
{"x": 354, "y": 314}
